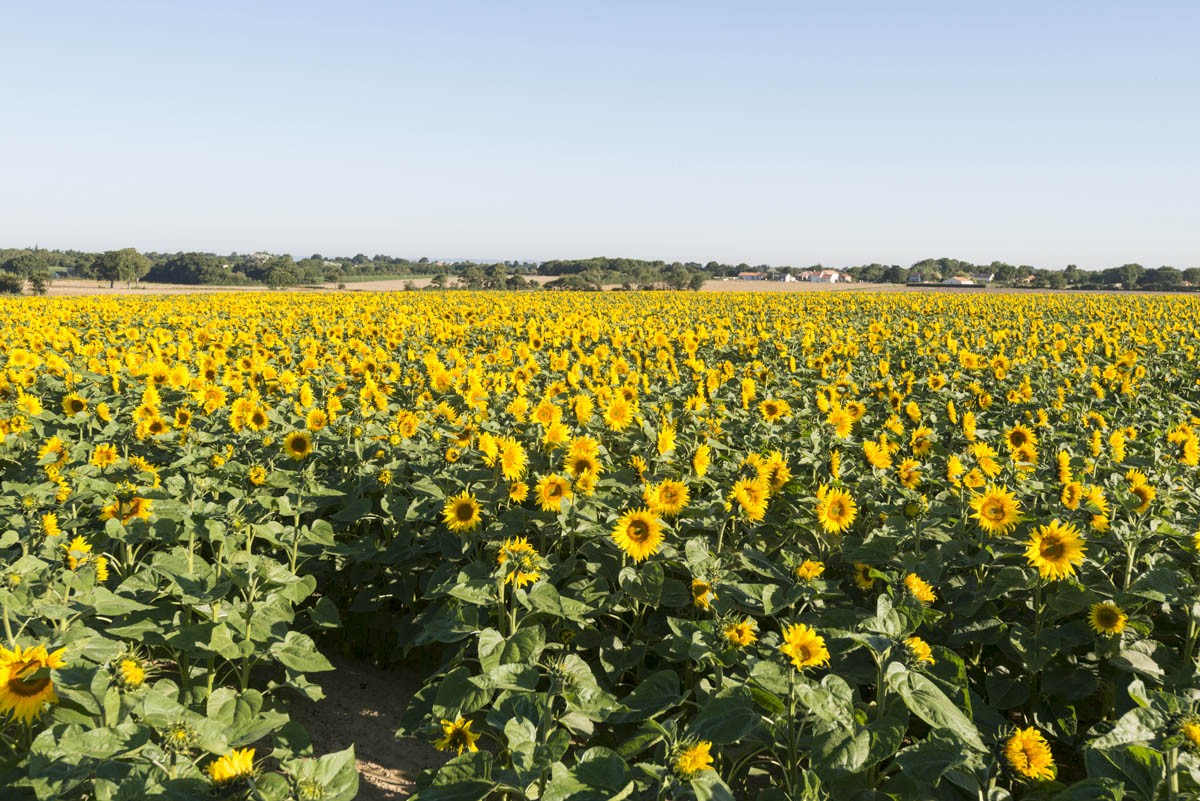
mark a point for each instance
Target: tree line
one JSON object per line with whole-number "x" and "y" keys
{"x": 35, "y": 268}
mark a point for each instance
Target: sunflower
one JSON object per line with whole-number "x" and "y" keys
{"x": 1145, "y": 495}
{"x": 49, "y": 525}
{"x": 129, "y": 671}
{"x": 804, "y": 646}
{"x": 1029, "y": 755}
{"x": 667, "y": 498}
{"x": 693, "y": 759}
{"x": 525, "y": 559}
{"x": 74, "y": 404}
{"x": 257, "y": 475}
{"x": 809, "y": 570}
{"x": 773, "y": 409}
{"x": 25, "y": 683}
{"x": 1019, "y": 436}
{"x": 103, "y": 455}
{"x": 78, "y": 552}
{"x": 1072, "y": 494}
{"x": 457, "y": 736}
{"x": 1055, "y": 549}
{"x": 461, "y": 512}
{"x": 1107, "y": 618}
{"x": 835, "y": 509}
{"x": 298, "y": 444}
{"x": 1191, "y": 732}
{"x": 618, "y": 414}
{"x": 638, "y": 533}
{"x": 752, "y": 495}
{"x": 512, "y": 459}
{"x": 740, "y": 633}
{"x": 909, "y": 472}
{"x": 996, "y": 509}
{"x": 551, "y": 491}
{"x": 841, "y": 420}
{"x": 237, "y": 764}
{"x": 316, "y": 419}
{"x": 921, "y": 590}
{"x": 862, "y": 576}
{"x": 701, "y": 459}
{"x": 919, "y": 651}
{"x": 703, "y": 593}
{"x": 518, "y": 491}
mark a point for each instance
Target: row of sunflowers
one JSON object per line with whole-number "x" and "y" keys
{"x": 641, "y": 546}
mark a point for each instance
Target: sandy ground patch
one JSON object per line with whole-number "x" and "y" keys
{"x": 363, "y": 705}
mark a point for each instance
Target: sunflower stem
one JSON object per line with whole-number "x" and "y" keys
{"x": 12, "y": 643}
{"x": 1173, "y": 774}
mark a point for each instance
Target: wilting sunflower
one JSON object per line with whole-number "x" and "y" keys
{"x": 877, "y": 455}
{"x": 996, "y": 509}
{"x": 1107, "y": 618}
{"x": 638, "y": 533}
{"x": 804, "y": 646}
{"x": 298, "y": 444}
{"x": 919, "y": 650}
{"x": 740, "y": 633}
{"x": 693, "y": 759}
{"x": 1029, "y": 755}
{"x": 703, "y": 593}
{"x": 1055, "y": 549}
{"x": 525, "y": 561}
{"x": 809, "y": 570}
{"x": 25, "y": 684}
{"x": 909, "y": 472}
{"x": 237, "y": 764}
{"x": 835, "y": 509}
{"x": 551, "y": 491}
{"x": 1191, "y": 732}
{"x": 461, "y": 512}
{"x": 457, "y": 736}
{"x": 921, "y": 590}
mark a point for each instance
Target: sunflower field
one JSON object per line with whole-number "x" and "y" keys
{"x": 641, "y": 545}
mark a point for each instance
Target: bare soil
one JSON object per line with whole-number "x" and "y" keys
{"x": 362, "y": 706}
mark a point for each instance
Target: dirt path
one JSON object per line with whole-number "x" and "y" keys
{"x": 363, "y": 705}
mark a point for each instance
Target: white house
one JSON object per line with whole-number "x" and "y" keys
{"x": 959, "y": 280}
{"x": 824, "y": 276}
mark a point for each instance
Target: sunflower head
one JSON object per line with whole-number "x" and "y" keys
{"x": 461, "y": 512}
{"x": 1107, "y": 618}
{"x": 298, "y": 444}
{"x": 639, "y": 534}
{"x": 1028, "y": 754}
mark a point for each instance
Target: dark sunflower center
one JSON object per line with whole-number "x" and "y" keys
{"x": 554, "y": 491}
{"x": 464, "y": 511}
{"x": 1106, "y": 617}
{"x": 837, "y": 510}
{"x": 17, "y": 685}
{"x": 638, "y": 531}
{"x": 994, "y": 510}
{"x": 1052, "y": 549}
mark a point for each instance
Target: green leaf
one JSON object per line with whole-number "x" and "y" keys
{"x": 930, "y": 704}
{"x": 656, "y": 693}
{"x": 727, "y": 718}
{"x": 298, "y": 652}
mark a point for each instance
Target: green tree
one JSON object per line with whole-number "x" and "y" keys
{"x": 1130, "y": 273}
{"x": 121, "y": 265}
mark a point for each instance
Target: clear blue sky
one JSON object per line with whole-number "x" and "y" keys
{"x": 767, "y": 132}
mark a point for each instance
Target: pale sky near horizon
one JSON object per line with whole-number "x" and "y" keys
{"x": 1041, "y": 133}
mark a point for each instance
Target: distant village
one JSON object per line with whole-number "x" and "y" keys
{"x": 830, "y": 276}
